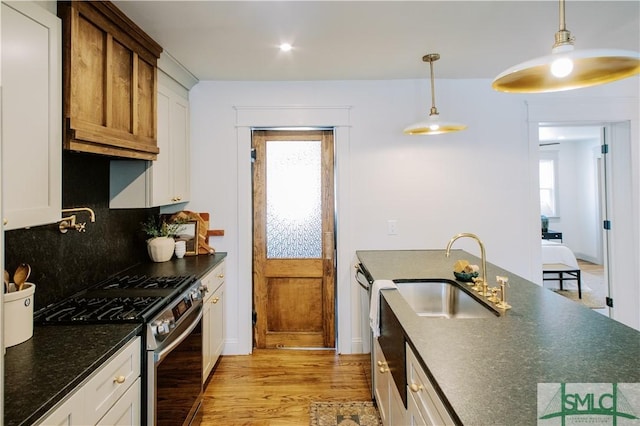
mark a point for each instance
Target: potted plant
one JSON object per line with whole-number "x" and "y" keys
{"x": 160, "y": 244}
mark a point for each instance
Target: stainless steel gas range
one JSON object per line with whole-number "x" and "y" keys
{"x": 170, "y": 310}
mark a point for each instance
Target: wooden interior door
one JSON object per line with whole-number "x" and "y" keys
{"x": 293, "y": 239}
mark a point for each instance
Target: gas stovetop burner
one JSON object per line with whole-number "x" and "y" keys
{"x": 99, "y": 309}
{"x": 121, "y": 299}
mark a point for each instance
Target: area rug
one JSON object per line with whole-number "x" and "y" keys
{"x": 588, "y": 299}
{"x": 344, "y": 414}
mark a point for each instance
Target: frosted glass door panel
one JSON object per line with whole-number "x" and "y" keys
{"x": 294, "y": 203}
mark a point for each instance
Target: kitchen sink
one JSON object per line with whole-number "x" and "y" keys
{"x": 442, "y": 299}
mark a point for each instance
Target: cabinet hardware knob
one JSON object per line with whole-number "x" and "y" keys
{"x": 380, "y": 363}
{"x": 119, "y": 379}
{"x": 383, "y": 369}
{"x": 215, "y": 299}
{"x": 5, "y": 221}
{"x": 221, "y": 276}
{"x": 415, "y": 388}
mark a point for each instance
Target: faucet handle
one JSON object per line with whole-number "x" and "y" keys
{"x": 81, "y": 227}
{"x": 504, "y": 283}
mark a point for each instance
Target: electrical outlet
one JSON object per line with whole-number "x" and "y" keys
{"x": 392, "y": 227}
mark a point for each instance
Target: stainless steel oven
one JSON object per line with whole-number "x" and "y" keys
{"x": 174, "y": 362}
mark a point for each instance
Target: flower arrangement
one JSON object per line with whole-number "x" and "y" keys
{"x": 158, "y": 227}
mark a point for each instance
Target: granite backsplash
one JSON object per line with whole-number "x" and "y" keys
{"x": 63, "y": 264}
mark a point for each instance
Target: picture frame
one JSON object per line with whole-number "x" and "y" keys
{"x": 188, "y": 232}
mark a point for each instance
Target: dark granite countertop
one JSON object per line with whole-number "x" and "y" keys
{"x": 487, "y": 370}
{"x": 188, "y": 265}
{"x": 40, "y": 372}
{"x": 47, "y": 367}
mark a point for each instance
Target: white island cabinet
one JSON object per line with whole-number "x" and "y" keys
{"x": 31, "y": 115}
{"x": 110, "y": 396}
{"x": 424, "y": 407}
{"x": 390, "y": 405}
{"x": 213, "y": 319}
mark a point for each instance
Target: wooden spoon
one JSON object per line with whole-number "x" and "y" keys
{"x": 21, "y": 275}
{"x": 6, "y": 281}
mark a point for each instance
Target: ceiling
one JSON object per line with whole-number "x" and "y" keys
{"x": 363, "y": 40}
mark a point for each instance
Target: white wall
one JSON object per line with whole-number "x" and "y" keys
{"x": 478, "y": 180}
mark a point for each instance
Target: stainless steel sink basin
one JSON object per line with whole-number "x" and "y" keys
{"x": 442, "y": 299}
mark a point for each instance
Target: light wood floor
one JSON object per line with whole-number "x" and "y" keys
{"x": 275, "y": 386}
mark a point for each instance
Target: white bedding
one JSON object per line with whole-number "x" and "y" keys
{"x": 554, "y": 252}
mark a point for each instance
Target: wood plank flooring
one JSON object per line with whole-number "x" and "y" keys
{"x": 276, "y": 386}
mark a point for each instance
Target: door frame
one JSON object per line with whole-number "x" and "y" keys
{"x": 337, "y": 117}
{"x": 327, "y": 260}
{"x": 585, "y": 110}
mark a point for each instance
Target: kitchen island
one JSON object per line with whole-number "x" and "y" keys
{"x": 42, "y": 371}
{"x": 486, "y": 370}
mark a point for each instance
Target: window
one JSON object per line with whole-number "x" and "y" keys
{"x": 549, "y": 184}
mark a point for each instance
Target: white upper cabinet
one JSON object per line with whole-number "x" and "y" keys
{"x": 31, "y": 115}
{"x": 171, "y": 183}
{"x": 165, "y": 181}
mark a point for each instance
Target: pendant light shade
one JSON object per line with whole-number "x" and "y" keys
{"x": 433, "y": 125}
{"x": 566, "y": 68}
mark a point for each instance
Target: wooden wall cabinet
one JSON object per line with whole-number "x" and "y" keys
{"x": 109, "y": 82}
{"x": 31, "y": 111}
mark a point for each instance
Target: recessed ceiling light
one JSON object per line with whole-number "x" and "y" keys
{"x": 285, "y": 47}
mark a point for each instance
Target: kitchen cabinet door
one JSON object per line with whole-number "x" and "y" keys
{"x": 390, "y": 406}
{"x": 126, "y": 411}
{"x": 70, "y": 412}
{"x": 110, "y": 396}
{"x": 31, "y": 111}
{"x": 382, "y": 377}
{"x": 423, "y": 395}
{"x": 171, "y": 181}
{"x": 213, "y": 319}
{"x": 165, "y": 181}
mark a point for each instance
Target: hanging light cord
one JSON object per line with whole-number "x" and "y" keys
{"x": 563, "y": 36}
{"x": 430, "y": 58}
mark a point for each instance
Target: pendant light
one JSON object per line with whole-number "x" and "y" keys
{"x": 566, "y": 68}
{"x": 433, "y": 125}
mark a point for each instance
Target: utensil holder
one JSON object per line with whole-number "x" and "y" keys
{"x": 18, "y": 315}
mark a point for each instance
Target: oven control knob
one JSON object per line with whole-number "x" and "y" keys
{"x": 162, "y": 327}
{"x": 196, "y": 295}
{"x": 204, "y": 289}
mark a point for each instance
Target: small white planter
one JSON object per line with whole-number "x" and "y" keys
{"x": 160, "y": 248}
{"x": 18, "y": 315}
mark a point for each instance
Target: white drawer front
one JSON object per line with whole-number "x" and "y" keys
{"x": 112, "y": 380}
{"x": 125, "y": 412}
{"x": 424, "y": 394}
{"x": 213, "y": 280}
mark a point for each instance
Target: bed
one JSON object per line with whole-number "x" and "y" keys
{"x": 559, "y": 264}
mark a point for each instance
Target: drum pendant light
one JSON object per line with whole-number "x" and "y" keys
{"x": 566, "y": 68}
{"x": 433, "y": 125}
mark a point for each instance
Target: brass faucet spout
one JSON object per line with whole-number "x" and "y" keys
{"x": 92, "y": 215}
{"x": 482, "y": 252}
{"x": 69, "y": 222}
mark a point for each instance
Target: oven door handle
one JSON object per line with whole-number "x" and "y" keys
{"x": 159, "y": 356}
{"x": 364, "y": 282}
